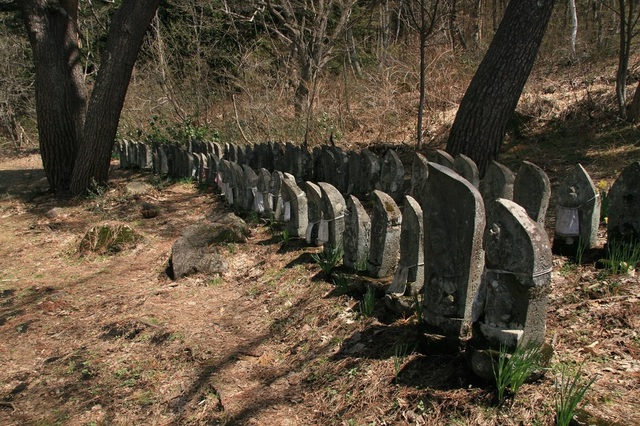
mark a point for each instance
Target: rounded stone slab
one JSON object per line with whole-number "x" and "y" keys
{"x": 391, "y": 175}
{"x": 532, "y": 190}
{"x": 577, "y": 212}
{"x": 624, "y": 206}
{"x": 386, "y": 221}
{"x": 454, "y": 222}
{"x": 515, "y": 243}
{"x": 370, "y": 170}
{"x": 467, "y": 168}
{"x": 443, "y": 158}
{"x": 357, "y": 235}
{"x": 412, "y": 243}
{"x": 511, "y": 305}
{"x": 295, "y": 201}
{"x": 275, "y": 189}
{"x": 419, "y": 175}
{"x": 497, "y": 183}
{"x": 333, "y": 210}
{"x": 314, "y": 211}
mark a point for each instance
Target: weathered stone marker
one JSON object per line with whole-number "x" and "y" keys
{"x": 250, "y": 187}
{"x": 308, "y": 171}
{"x": 497, "y": 183}
{"x": 356, "y": 185}
{"x": 277, "y": 203}
{"x": 391, "y": 175}
{"x": 314, "y": 211}
{"x": 326, "y": 165}
{"x": 162, "y": 157}
{"x": 123, "y": 148}
{"x": 419, "y": 175}
{"x": 331, "y": 230}
{"x": 577, "y": 213}
{"x": 294, "y": 160}
{"x": 467, "y": 168}
{"x": 386, "y": 222}
{"x": 454, "y": 222}
{"x": 217, "y": 149}
{"x": 410, "y": 270}
{"x": 340, "y": 173}
{"x": 511, "y": 306}
{"x": 224, "y": 180}
{"x": 443, "y": 158}
{"x": 249, "y": 156}
{"x": 357, "y": 235}
{"x": 262, "y": 198}
{"x": 532, "y": 190}
{"x": 278, "y": 156}
{"x": 240, "y": 155}
{"x": 238, "y": 185}
{"x": 370, "y": 171}
{"x": 624, "y": 206}
{"x": 295, "y": 207}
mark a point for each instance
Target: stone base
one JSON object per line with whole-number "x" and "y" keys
{"x": 454, "y": 327}
{"x": 402, "y": 305}
{"x": 565, "y": 246}
{"x": 482, "y": 362}
{"x": 499, "y": 336}
{"x": 362, "y": 283}
{"x": 437, "y": 344}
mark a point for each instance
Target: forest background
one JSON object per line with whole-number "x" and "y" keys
{"x": 340, "y": 70}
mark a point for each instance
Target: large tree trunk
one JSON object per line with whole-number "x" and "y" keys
{"x": 493, "y": 94}
{"x": 61, "y": 95}
{"x": 128, "y": 27}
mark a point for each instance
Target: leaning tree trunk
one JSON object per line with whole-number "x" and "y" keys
{"x": 493, "y": 94}
{"x": 128, "y": 27}
{"x": 61, "y": 95}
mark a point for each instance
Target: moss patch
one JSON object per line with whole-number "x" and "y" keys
{"x": 108, "y": 238}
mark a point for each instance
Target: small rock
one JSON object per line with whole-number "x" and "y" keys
{"x": 53, "y": 213}
{"x": 149, "y": 210}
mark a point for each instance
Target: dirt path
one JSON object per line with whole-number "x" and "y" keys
{"x": 112, "y": 340}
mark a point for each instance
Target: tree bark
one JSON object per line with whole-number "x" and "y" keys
{"x": 493, "y": 93}
{"x": 574, "y": 29}
{"x": 61, "y": 94}
{"x": 76, "y": 138}
{"x": 634, "y": 108}
{"x": 126, "y": 33}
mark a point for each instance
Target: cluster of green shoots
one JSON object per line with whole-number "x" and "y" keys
{"x": 512, "y": 370}
{"x": 328, "y": 260}
{"x": 400, "y": 351}
{"x": 368, "y": 302}
{"x": 570, "y": 389}
{"x": 622, "y": 257}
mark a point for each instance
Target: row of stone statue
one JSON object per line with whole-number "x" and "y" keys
{"x": 476, "y": 251}
{"x": 359, "y": 173}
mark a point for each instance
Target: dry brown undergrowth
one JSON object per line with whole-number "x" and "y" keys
{"x": 111, "y": 340}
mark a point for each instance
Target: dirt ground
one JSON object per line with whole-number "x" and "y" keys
{"x": 110, "y": 339}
